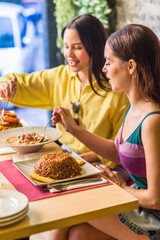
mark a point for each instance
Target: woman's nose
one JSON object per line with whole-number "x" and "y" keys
{"x": 104, "y": 69}
{"x": 69, "y": 52}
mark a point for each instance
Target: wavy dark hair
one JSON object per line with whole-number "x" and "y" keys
{"x": 140, "y": 43}
{"x": 93, "y": 37}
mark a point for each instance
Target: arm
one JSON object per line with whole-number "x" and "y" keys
{"x": 32, "y": 90}
{"x": 151, "y": 139}
{"x": 104, "y": 147}
{"x": 43, "y": 89}
{"x": 150, "y": 197}
{"x": 90, "y": 157}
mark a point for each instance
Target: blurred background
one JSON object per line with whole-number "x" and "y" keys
{"x": 24, "y": 47}
{"x": 30, "y": 34}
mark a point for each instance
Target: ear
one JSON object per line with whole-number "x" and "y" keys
{"x": 132, "y": 65}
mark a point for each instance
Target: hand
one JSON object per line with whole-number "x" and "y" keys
{"x": 8, "y": 88}
{"x": 64, "y": 118}
{"x": 114, "y": 176}
{"x": 90, "y": 157}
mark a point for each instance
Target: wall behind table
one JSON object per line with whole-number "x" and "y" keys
{"x": 139, "y": 11}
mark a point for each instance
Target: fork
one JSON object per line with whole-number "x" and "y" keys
{"x": 41, "y": 140}
{"x": 64, "y": 185}
{"x": 2, "y": 114}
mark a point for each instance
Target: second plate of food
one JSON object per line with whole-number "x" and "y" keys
{"x": 52, "y": 134}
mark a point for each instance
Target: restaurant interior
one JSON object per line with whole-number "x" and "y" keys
{"x": 33, "y": 223}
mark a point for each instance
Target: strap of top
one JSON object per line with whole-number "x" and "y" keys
{"x": 126, "y": 113}
{"x": 154, "y": 112}
{"x": 135, "y": 137}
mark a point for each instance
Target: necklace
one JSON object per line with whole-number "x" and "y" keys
{"x": 76, "y": 107}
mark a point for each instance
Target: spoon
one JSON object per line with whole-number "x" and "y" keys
{"x": 41, "y": 140}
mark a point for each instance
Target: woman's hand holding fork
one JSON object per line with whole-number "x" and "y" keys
{"x": 8, "y": 88}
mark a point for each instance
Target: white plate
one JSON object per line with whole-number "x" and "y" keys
{"x": 11, "y": 202}
{"x": 17, "y": 215}
{"x": 26, "y": 168}
{"x": 6, "y": 223}
{"x": 52, "y": 133}
{"x": 8, "y": 150}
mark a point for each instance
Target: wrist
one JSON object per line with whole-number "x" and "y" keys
{"x": 74, "y": 130}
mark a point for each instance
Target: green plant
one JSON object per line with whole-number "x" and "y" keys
{"x": 98, "y": 8}
{"x": 65, "y": 10}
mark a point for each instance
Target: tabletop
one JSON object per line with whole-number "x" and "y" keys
{"x": 68, "y": 209}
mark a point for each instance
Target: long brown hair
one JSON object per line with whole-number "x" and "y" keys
{"x": 140, "y": 43}
{"x": 93, "y": 37}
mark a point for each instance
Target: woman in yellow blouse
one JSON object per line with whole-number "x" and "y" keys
{"x": 76, "y": 86}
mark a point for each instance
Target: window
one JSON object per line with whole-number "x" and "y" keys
{"x": 6, "y": 33}
{"x": 22, "y": 25}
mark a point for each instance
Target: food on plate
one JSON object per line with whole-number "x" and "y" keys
{"x": 25, "y": 139}
{"x": 80, "y": 161}
{"x": 40, "y": 178}
{"x": 57, "y": 165}
{"x": 10, "y": 120}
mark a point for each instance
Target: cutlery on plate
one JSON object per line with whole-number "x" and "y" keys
{"x": 64, "y": 185}
{"x": 41, "y": 140}
{"x": 2, "y": 114}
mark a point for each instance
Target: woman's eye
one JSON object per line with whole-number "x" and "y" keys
{"x": 66, "y": 47}
{"x": 107, "y": 64}
{"x": 73, "y": 48}
{"x": 78, "y": 48}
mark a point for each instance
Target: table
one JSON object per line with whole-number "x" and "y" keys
{"x": 68, "y": 209}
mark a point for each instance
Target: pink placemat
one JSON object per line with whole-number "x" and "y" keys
{"x": 23, "y": 185}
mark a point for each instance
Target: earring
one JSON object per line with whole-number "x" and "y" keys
{"x": 135, "y": 75}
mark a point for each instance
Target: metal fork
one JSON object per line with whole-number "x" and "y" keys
{"x": 41, "y": 140}
{"x": 2, "y": 114}
{"x": 64, "y": 185}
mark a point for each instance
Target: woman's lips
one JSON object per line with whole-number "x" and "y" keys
{"x": 73, "y": 63}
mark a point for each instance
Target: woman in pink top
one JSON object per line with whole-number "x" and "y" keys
{"x": 132, "y": 65}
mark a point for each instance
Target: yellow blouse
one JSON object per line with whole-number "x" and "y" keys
{"x": 101, "y": 115}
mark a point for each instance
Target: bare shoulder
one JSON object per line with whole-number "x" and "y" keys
{"x": 151, "y": 126}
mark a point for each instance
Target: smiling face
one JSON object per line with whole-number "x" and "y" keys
{"x": 74, "y": 51}
{"x": 116, "y": 71}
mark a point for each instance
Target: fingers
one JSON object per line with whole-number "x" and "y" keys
{"x": 56, "y": 118}
{"x": 112, "y": 175}
{"x": 63, "y": 116}
{"x": 63, "y": 112}
{"x": 13, "y": 86}
{"x": 105, "y": 170}
{"x": 14, "y": 78}
{"x": 5, "y": 89}
{"x": 58, "y": 115}
{"x": 8, "y": 88}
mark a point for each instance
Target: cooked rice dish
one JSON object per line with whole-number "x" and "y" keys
{"x": 57, "y": 165}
